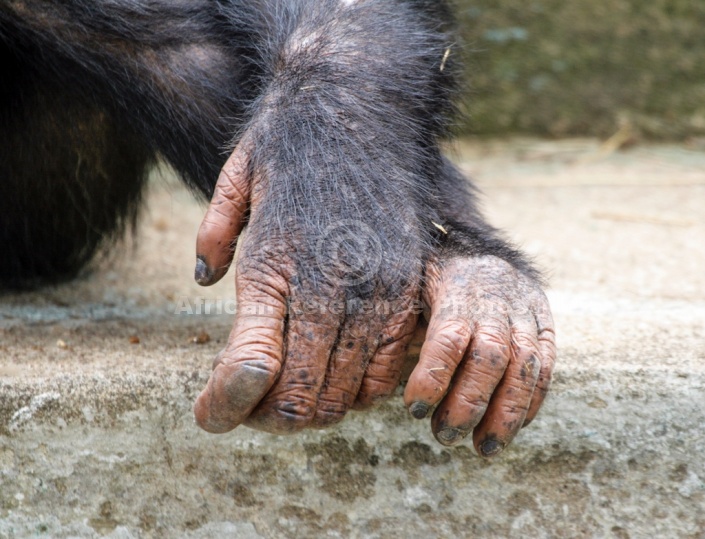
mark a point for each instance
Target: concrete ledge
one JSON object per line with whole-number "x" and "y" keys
{"x": 97, "y": 437}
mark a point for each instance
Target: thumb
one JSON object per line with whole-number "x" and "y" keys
{"x": 224, "y": 218}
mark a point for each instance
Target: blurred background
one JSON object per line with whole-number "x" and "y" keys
{"x": 562, "y": 68}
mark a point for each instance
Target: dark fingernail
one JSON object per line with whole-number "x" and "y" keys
{"x": 491, "y": 447}
{"x": 419, "y": 410}
{"x": 202, "y": 274}
{"x": 449, "y": 435}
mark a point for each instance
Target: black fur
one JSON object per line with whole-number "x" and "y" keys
{"x": 467, "y": 233}
{"x": 348, "y": 101}
{"x": 71, "y": 178}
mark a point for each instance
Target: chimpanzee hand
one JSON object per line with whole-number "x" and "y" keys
{"x": 488, "y": 354}
{"x": 326, "y": 305}
{"x": 339, "y": 161}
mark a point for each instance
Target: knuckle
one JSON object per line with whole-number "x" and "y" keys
{"x": 490, "y": 348}
{"x": 474, "y": 406}
{"x": 387, "y": 361}
{"x": 337, "y": 393}
{"x": 390, "y": 352}
{"x": 262, "y": 366}
{"x": 480, "y": 383}
{"x": 525, "y": 347}
{"x": 398, "y": 329}
{"x": 338, "y": 400}
{"x": 381, "y": 384}
{"x": 378, "y": 384}
{"x": 448, "y": 344}
{"x": 231, "y": 193}
{"x": 258, "y": 262}
{"x": 333, "y": 410}
{"x": 231, "y": 171}
{"x": 548, "y": 345}
{"x": 510, "y": 411}
{"x": 267, "y": 287}
{"x": 261, "y": 279}
{"x": 295, "y": 412}
{"x": 456, "y": 330}
{"x": 491, "y": 336}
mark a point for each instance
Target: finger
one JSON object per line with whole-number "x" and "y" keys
{"x": 384, "y": 370}
{"x": 510, "y": 401}
{"x": 548, "y": 352}
{"x": 359, "y": 338}
{"x": 479, "y": 374}
{"x": 250, "y": 363}
{"x": 291, "y": 403}
{"x": 447, "y": 339}
{"x": 414, "y": 350}
{"x": 224, "y": 218}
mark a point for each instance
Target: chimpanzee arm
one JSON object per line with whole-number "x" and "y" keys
{"x": 334, "y": 161}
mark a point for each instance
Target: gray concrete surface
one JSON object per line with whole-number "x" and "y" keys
{"x": 97, "y": 437}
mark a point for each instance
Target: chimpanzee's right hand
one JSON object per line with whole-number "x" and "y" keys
{"x": 327, "y": 296}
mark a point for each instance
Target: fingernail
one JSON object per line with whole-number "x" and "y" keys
{"x": 449, "y": 435}
{"x": 491, "y": 447}
{"x": 202, "y": 274}
{"x": 419, "y": 410}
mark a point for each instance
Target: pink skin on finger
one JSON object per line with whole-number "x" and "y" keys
{"x": 224, "y": 219}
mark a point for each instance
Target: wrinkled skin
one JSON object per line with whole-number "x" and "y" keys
{"x": 489, "y": 352}
{"x": 300, "y": 354}
{"x": 485, "y": 364}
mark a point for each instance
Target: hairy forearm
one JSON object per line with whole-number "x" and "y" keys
{"x": 354, "y": 97}
{"x": 392, "y": 57}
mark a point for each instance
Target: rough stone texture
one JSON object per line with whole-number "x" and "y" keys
{"x": 559, "y": 67}
{"x": 97, "y": 437}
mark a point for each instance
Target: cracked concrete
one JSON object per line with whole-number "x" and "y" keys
{"x": 97, "y": 379}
